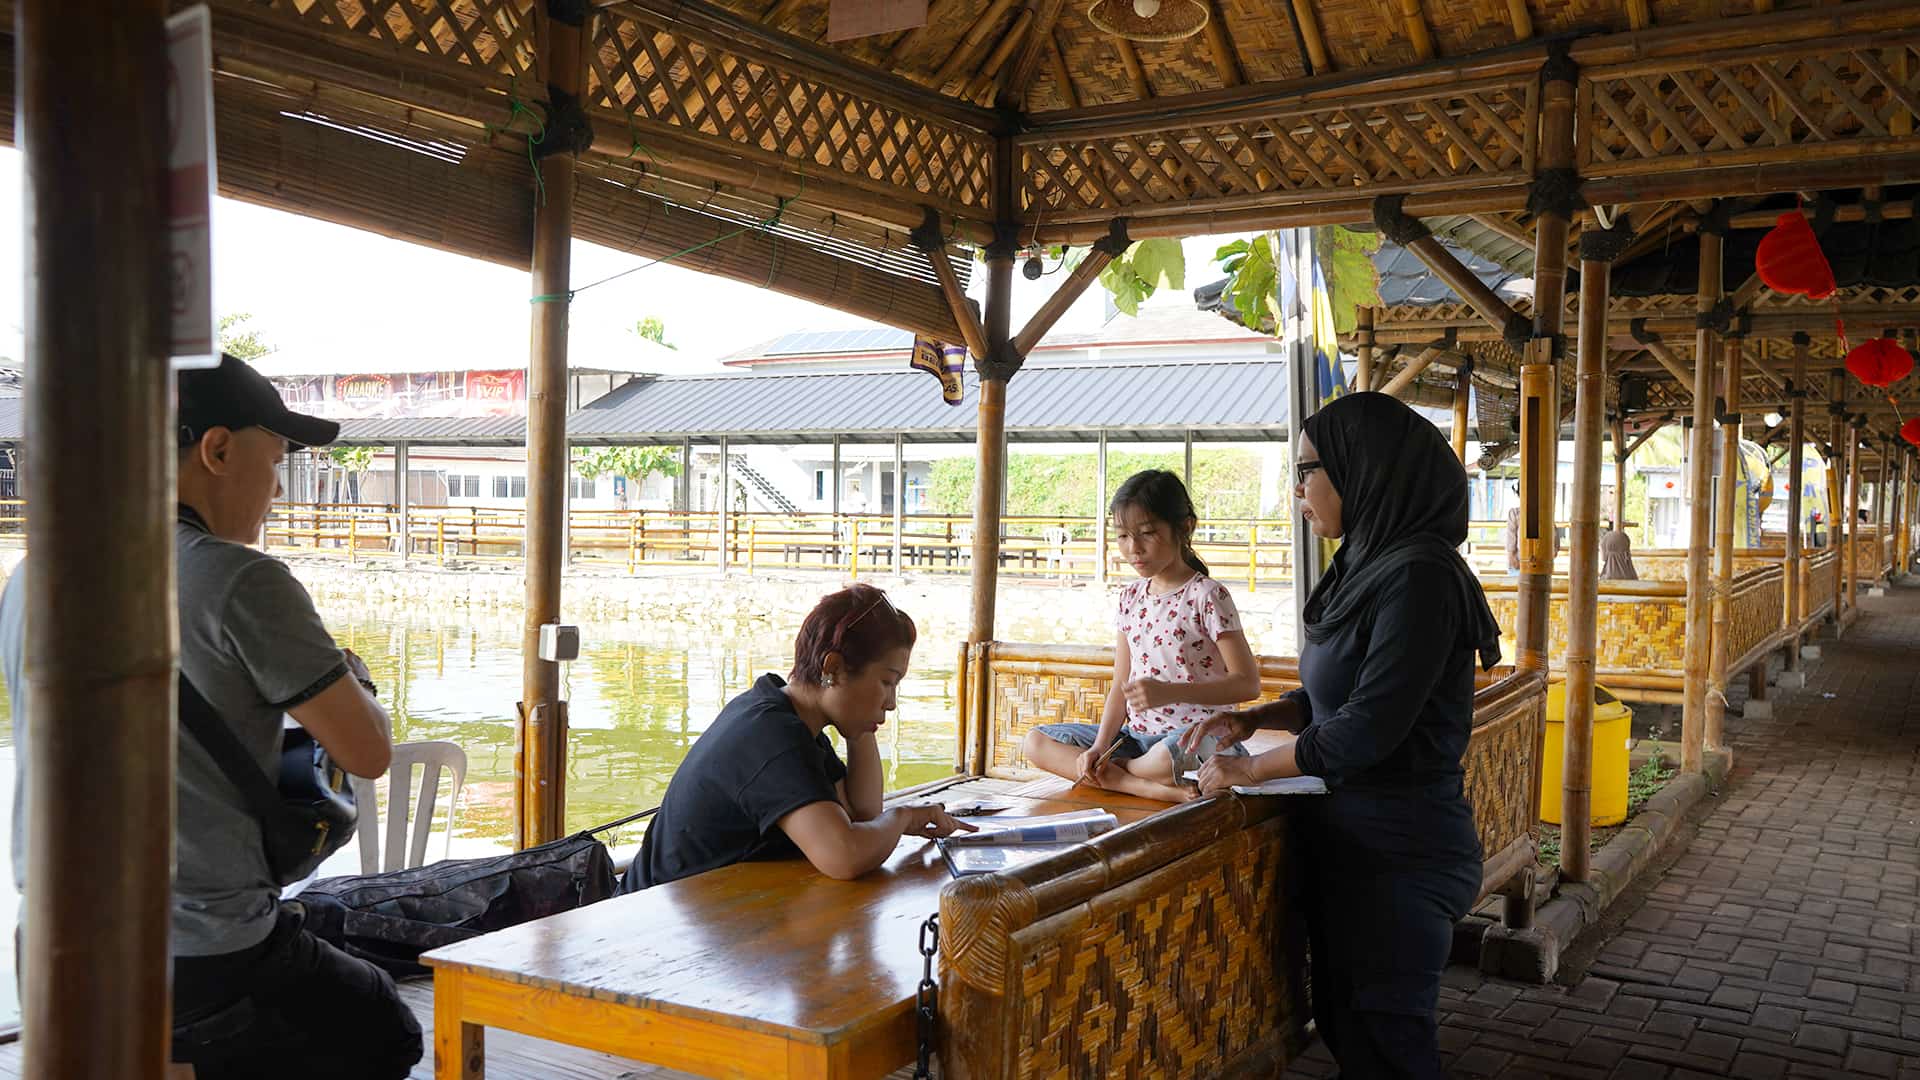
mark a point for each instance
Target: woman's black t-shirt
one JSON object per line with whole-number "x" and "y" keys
{"x": 755, "y": 765}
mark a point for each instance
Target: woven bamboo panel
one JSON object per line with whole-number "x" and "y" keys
{"x": 1500, "y": 764}
{"x": 1733, "y": 108}
{"x": 1759, "y": 603}
{"x": 1639, "y": 635}
{"x": 1179, "y": 978}
{"x": 1022, "y": 700}
{"x": 1671, "y": 565}
{"x": 488, "y": 35}
{"x": 1816, "y": 579}
{"x": 1868, "y": 559}
{"x": 1263, "y": 40}
{"x": 1450, "y": 133}
{"x": 665, "y": 75}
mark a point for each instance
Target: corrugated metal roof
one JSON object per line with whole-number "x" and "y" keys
{"x": 1215, "y": 400}
{"x": 1067, "y": 402}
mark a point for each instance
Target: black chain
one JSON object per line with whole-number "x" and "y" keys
{"x": 925, "y": 998}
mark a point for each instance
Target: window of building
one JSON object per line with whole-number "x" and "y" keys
{"x": 819, "y": 485}
{"x": 463, "y": 486}
{"x": 499, "y": 487}
{"x": 580, "y": 487}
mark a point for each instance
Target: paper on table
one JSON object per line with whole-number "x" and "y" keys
{"x": 1291, "y": 785}
{"x": 1050, "y": 829}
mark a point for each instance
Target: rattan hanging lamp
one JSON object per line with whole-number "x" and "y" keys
{"x": 1149, "y": 20}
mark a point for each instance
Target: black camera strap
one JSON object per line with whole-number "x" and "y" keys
{"x": 199, "y": 719}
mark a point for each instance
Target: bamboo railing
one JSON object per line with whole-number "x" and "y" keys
{"x": 1254, "y": 552}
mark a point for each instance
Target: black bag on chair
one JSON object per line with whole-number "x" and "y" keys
{"x": 390, "y": 919}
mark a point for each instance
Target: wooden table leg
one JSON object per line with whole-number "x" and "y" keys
{"x": 459, "y": 1048}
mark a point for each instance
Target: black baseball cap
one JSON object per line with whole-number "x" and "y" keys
{"x": 236, "y": 396}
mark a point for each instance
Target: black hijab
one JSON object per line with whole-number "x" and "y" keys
{"x": 1403, "y": 503}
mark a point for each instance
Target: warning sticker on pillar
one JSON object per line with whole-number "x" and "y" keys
{"x": 191, "y": 183}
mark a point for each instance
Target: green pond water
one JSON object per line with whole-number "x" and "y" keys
{"x": 639, "y": 695}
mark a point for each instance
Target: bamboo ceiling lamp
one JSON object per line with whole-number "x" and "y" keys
{"x": 1149, "y": 20}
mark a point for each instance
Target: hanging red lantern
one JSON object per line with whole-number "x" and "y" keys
{"x": 1879, "y": 362}
{"x": 1910, "y": 431}
{"x": 1790, "y": 260}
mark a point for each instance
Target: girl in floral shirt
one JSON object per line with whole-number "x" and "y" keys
{"x": 1179, "y": 655}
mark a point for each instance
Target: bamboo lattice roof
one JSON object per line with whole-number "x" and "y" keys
{"x": 809, "y": 161}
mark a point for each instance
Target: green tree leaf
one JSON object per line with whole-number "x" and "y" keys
{"x": 654, "y": 330}
{"x": 241, "y": 339}
{"x": 1161, "y": 263}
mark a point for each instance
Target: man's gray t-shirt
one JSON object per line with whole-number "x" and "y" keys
{"x": 253, "y": 645}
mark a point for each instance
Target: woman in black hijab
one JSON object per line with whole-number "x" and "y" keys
{"x": 1386, "y": 708}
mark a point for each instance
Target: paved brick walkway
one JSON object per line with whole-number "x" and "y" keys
{"x": 1782, "y": 941}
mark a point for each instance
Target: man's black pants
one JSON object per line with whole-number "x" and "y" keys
{"x": 291, "y": 1007}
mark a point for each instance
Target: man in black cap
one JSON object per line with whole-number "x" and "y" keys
{"x": 255, "y": 994}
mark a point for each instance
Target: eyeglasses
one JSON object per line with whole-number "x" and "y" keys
{"x": 1305, "y": 469}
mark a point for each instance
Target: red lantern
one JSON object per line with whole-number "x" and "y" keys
{"x": 1790, "y": 260}
{"x": 1879, "y": 362}
{"x": 1910, "y": 431}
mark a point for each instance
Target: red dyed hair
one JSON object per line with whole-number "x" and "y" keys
{"x": 859, "y": 623}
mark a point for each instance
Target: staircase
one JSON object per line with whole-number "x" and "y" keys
{"x": 759, "y": 488}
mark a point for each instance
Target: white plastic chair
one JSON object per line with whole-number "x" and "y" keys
{"x": 1056, "y": 539}
{"x": 433, "y": 757}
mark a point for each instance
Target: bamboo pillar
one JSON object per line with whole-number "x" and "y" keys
{"x": 543, "y": 721}
{"x": 1583, "y": 570}
{"x": 1539, "y": 387}
{"x": 1723, "y": 547}
{"x": 1796, "y": 481}
{"x": 1462, "y": 389}
{"x": 1619, "y": 432}
{"x": 990, "y": 484}
{"x": 1852, "y": 508}
{"x": 1699, "y": 641}
{"x": 1363, "y": 332}
{"x": 99, "y": 658}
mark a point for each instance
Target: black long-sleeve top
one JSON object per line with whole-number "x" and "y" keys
{"x": 1389, "y": 696}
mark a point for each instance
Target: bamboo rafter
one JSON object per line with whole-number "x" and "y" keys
{"x": 1834, "y": 97}
{"x": 1439, "y": 136}
{"x": 664, "y": 74}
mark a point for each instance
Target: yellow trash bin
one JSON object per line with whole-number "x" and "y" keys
{"x": 1612, "y": 731}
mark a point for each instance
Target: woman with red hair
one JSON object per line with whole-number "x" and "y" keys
{"x": 763, "y": 782}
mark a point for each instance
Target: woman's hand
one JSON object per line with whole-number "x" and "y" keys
{"x": 1144, "y": 694}
{"x": 1229, "y": 727}
{"x": 932, "y": 820}
{"x": 1222, "y": 771}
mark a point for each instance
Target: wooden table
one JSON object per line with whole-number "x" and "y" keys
{"x": 767, "y": 969}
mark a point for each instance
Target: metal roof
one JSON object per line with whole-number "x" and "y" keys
{"x": 1217, "y": 401}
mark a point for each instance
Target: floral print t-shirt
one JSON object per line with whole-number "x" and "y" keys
{"x": 1175, "y": 638}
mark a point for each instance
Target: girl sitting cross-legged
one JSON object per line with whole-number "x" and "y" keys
{"x": 1179, "y": 654}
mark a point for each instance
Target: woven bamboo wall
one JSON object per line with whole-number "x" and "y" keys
{"x": 1759, "y": 608}
{"x": 1816, "y": 581}
{"x": 1181, "y": 963}
{"x": 1642, "y": 633}
{"x": 1031, "y": 685}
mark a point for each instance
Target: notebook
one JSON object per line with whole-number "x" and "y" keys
{"x": 1291, "y": 785}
